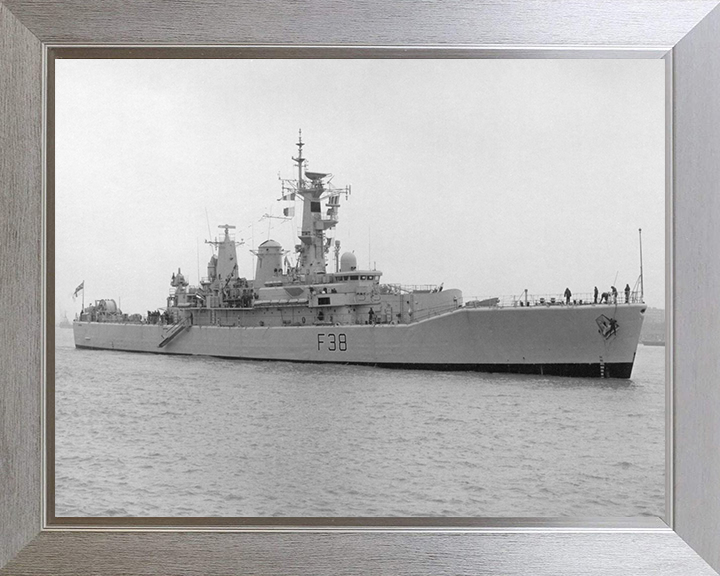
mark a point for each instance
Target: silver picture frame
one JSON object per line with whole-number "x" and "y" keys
{"x": 685, "y": 33}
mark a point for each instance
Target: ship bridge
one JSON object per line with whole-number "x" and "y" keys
{"x": 360, "y": 276}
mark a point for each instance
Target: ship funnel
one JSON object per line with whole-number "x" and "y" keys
{"x": 212, "y": 268}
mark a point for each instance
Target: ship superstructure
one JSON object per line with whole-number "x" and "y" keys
{"x": 304, "y": 312}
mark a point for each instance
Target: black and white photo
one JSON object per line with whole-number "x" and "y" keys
{"x": 360, "y": 288}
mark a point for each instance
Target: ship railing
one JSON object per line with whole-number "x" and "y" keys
{"x": 189, "y": 290}
{"x": 408, "y": 288}
{"x": 521, "y": 300}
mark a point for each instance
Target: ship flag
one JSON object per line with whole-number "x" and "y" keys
{"x": 81, "y": 287}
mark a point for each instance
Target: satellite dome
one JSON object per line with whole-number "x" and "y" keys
{"x": 270, "y": 244}
{"x": 270, "y": 247}
{"x": 348, "y": 262}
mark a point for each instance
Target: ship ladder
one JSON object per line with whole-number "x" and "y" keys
{"x": 173, "y": 333}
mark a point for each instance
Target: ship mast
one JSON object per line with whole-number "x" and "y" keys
{"x": 642, "y": 291}
{"x": 313, "y": 246}
{"x": 226, "y": 266}
{"x": 300, "y": 161}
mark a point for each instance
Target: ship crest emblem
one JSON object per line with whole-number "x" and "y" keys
{"x": 607, "y": 326}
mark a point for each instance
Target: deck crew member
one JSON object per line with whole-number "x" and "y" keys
{"x": 568, "y": 294}
{"x": 595, "y": 294}
{"x": 627, "y": 293}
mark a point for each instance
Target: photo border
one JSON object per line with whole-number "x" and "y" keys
{"x": 48, "y": 538}
{"x": 60, "y": 52}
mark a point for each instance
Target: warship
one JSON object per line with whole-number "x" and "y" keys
{"x": 304, "y": 312}
{"x": 64, "y": 322}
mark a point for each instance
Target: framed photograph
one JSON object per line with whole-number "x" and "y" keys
{"x": 89, "y": 205}
{"x": 485, "y": 174}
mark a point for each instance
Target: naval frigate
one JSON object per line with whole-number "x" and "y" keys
{"x": 305, "y": 313}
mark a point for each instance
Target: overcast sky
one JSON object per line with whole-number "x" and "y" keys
{"x": 491, "y": 176}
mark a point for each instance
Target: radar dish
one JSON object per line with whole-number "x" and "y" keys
{"x": 315, "y": 175}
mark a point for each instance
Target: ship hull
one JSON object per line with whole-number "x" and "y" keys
{"x": 553, "y": 340}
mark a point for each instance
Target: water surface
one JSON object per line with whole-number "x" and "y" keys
{"x": 154, "y": 435}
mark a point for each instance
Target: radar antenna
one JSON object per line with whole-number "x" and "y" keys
{"x": 227, "y": 238}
